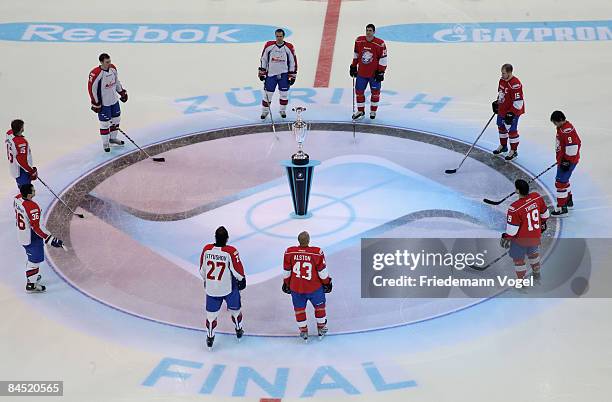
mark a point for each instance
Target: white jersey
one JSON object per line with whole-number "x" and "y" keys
{"x": 218, "y": 267}
{"x": 277, "y": 59}
{"x": 18, "y": 154}
{"x": 103, "y": 86}
{"x": 27, "y": 220}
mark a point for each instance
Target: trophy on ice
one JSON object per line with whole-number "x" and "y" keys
{"x": 300, "y": 168}
{"x": 300, "y": 129}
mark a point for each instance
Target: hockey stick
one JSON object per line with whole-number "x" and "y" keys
{"x": 270, "y": 110}
{"x": 60, "y": 200}
{"x": 145, "y": 152}
{"x": 451, "y": 171}
{"x": 477, "y": 268}
{"x": 354, "y": 139}
{"x": 486, "y": 200}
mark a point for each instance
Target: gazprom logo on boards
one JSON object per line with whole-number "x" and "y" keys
{"x": 499, "y": 32}
{"x": 136, "y": 33}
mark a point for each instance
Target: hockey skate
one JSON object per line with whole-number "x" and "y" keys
{"x": 239, "y": 333}
{"x": 209, "y": 342}
{"x": 359, "y": 115}
{"x": 304, "y": 336}
{"x": 500, "y": 149}
{"x": 537, "y": 277}
{"x": 116, "y": 141}
{"x": 373, "y": 114}
{"x": 35, "y": 287}
{"x": 513, "y": 154}
{"x": 322, "y": 332}
{"x": 570, "y": 202}
{"x": 283, "y": 114}
{"x": 560, "y": 212}
{"x": 265, "y": 113}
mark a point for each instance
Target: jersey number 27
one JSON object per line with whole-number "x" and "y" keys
{"x": 213, "y": 268}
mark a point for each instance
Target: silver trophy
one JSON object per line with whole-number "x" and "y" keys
{"x": 300, "y": 130}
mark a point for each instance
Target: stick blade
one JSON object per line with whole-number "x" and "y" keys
{"x": 491, "y": 202}
{"x": 477, "y": 268}
{"x": 159, "y": 159}
{"x": 80, "y": 216}
{"x": 450, "y": 171}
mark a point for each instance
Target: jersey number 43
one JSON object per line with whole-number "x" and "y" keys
{"x": 303, "y": 269}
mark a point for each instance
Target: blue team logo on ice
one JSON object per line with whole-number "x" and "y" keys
{"x": 544, "y": 31}
{"x": 135, "y": 33}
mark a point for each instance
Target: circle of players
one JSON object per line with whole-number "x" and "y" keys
{"x": 306, "y": 277}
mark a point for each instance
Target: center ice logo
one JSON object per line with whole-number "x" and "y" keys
{"x": 135, "y": 33}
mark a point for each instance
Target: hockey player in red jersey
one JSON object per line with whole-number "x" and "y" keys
{"x": 105, "y": 91}
{"x": 32, "y": 235}
{"x": 368, "y": 67}
{"x": 19, "y": 154}
{"x": 568, "y": 156}
{"x": 224, "y": 278}
{"x": 306, "y": 278}
{"x": 526, "y": 221}
{"x": 278, "y": 67}
{"x": 508, "y": 106}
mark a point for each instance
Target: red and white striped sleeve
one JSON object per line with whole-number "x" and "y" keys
{"x": 34, "y": 212}
{"x": 92, "y": 85}
{"x": 21, "y": 147}
{"x": 236, "y": 266}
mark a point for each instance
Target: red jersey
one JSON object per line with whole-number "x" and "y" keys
{"x": 524, "y": 218}
{"x": 27, "y": 217}
{"x": 369, "y": 56}
{"x": 510, "y": 97}
{"x": 18, "y": 153}
{"x": 568, "y": 143}
{"x": 305, "y": 269}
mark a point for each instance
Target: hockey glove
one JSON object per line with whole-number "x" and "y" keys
{"x": 286, "y": 288}
{"x": 495, "y": 106}
{"x": 543, "y": 226}
{"x": 565, "y": 166}
{"x": 54, "y": 241}
{"x": 327, "y": 287}
{"x": 96, "y": 108}
{"x": 504, "y": 242}
{"x": 379, "y": 76}
{"x": 241, "y": 284}
{"x": 292, "y": 79}
{"x": 262, "y": 73}
{"x": 353, "y": 71}
{"x": 123, "y": 96}
{"x": 34, "y": 174}
{"x": 509, "y": 118}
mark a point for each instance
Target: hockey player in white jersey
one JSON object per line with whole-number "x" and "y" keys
{"x": 105, "y": 91}
{"x": 278, "y": 68}
{"x": 224, "y": 278}
{"x": 32, "y": 235}
{"x": 19, "y": 154}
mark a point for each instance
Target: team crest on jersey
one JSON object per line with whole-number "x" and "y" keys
{"x": 367, "y": 57}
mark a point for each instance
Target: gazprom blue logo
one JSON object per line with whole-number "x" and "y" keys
{"x": 136, "y": 33}
{"x": 499, "y": 32}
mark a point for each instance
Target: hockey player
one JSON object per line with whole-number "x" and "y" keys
{"x": 224, "y": 278}
{"x": 19, "y": 154}
{"x": 508, "y": 106}
{"x": 278, "y": 67}
{"x": 306, "y": 278}
{"x": 103, "y": 86}
{"x": 368, "y": 66}
{"x": 526, "y": 221}
{"x": 32, "y": 235}
{"x": 568, "y": 155}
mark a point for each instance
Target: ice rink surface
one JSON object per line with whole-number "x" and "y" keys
{"x": 123, "y": 320}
